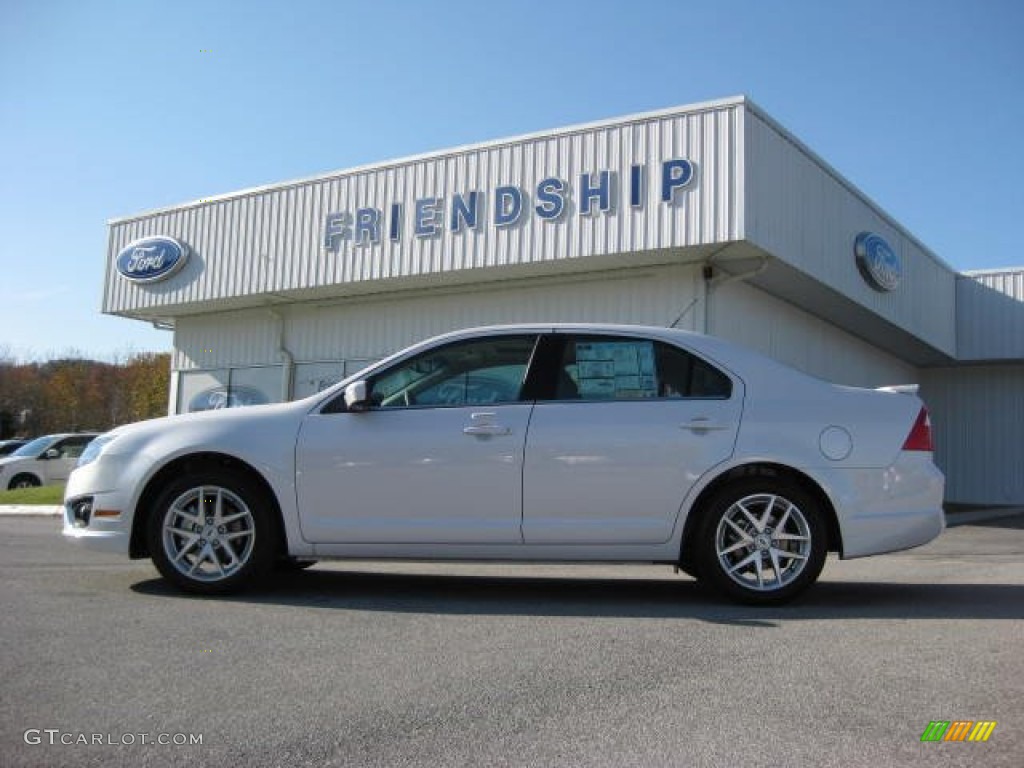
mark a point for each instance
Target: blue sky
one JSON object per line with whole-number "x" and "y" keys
{"x": 112, "y": 108}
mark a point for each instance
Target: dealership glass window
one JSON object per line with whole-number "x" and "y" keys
{"x": 255, "y": 386}
{"x": 311, "y": 378}
{"x": 196, "y": 388}
{"x": 228, "y": 388}
{"x": 356, "y": 364}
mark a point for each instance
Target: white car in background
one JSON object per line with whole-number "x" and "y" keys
{"x": 47, "y": 460}
{"x": 532, "y": 442}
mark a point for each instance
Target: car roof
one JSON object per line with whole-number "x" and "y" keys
{"x": 61, "y": 435}
{"x": 745, "y": 363}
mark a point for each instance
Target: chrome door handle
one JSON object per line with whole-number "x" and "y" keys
{"x": 482, "y": 425}
{"x": 486, "y": 429}
{"x": 702, "y": 424}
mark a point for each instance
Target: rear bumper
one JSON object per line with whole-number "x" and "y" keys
{"x": 876, "y": 534}
{"x": 895, "y": 508}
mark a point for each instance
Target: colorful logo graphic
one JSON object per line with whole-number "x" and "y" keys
{"x": 151, "y": 259}
{"x": 878, "y": 262}
{"x": 958, "y": 730}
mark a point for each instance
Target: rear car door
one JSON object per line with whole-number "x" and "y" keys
{"x": 621, "y": 431}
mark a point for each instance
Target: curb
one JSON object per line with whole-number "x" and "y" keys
{"x": 953, "y": 519}
{"x": 30, "y": 510}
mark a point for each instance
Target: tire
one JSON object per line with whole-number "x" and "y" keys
{"x": 761, "y": 541}
{"x": 23, "y": 480}
{"x": 292, "y": 564}
{"x": 202, "y": 554}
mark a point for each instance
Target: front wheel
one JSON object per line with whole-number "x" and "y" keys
{"x": 23, "y": 481}
{"x": 762, "y": 541}
{"x": 212, "y": 532}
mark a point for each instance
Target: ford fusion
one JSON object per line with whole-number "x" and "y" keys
{"x": 562, "y": 443}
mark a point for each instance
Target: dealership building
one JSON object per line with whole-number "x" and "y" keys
{"x": 711, "y": 217}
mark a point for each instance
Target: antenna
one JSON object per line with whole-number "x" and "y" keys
{"x": 685, "y": 312}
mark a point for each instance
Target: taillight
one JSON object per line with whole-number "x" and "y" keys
{"x": 920, "y": 437}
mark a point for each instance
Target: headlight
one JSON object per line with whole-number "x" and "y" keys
{"x": 94, "y": 449}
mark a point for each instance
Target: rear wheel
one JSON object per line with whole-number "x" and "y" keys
{"x": 23, "y": 481}
{"x": 762, "y": 541}
{"x": 212, "y": 532}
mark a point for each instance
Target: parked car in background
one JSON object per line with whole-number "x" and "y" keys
{"x": 529, "y": 442}
{"x": 7, "y": 447}
{"x": 44, "y": 461}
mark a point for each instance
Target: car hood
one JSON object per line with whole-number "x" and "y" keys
{"x": 207, "y": 429}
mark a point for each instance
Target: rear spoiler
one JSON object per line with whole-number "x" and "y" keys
{"x": 903, "y": 389}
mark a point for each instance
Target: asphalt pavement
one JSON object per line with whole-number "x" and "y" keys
{"x": 413, "y": 664}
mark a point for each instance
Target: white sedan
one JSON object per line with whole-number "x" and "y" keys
{"x": 47, "y": 460}
{"x": 531, "y": 442}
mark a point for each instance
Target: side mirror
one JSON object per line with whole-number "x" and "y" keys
{"x": 356, "y": 399}
{"x": 51, "y": 453}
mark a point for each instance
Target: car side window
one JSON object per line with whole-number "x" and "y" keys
{"x": 477, "y": 372}
{"x": 615, "y": 368}
{"x": 72, "y": 447}
{"x": 594, "y": 368}
{"x": 681, "y": 374}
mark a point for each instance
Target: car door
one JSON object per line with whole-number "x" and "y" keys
{"x": 625, "y": 428}
{"x": 436, "y": 458}
{"x": 58, "y": 468}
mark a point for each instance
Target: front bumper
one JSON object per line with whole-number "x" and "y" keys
{"x": 106, "y": 525}
{"x": 97, "y": 538}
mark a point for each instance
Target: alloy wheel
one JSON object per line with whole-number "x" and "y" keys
{"x": 763, "y": 542}
{"x": 208, "y": 533}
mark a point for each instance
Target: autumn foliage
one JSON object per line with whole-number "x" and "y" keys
{"x": 73, "y": 394}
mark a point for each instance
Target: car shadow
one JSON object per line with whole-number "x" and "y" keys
{"x": 678, "y": 598}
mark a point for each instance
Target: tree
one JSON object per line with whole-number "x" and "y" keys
{"x": 71, "y": 393}
{"x": 146, "y": 385}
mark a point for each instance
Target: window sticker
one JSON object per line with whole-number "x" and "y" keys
{"x": 615, "y": 369}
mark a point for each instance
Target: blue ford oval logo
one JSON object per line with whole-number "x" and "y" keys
{"x": 151, "y": 259}
{"x": 878, "y": 262}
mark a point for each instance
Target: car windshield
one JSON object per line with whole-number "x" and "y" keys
{"x": 33, "y": 448}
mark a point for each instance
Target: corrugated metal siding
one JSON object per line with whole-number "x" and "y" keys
{"x": 990, "y": 315}
{"x": 1009, "y": 282}
{"x": 247, "y": 337}
{"x": 755, "y": 319}
{"x": 270, "y": 240}
{"x": 371, "y": 328}
{"x": 978, "y": 420}
{"x": 804, "y": 214}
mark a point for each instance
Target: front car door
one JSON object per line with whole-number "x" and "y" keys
{"x": 437, "y": 458}
{"x": 625, "y": 428}
{"x": 68, "y": 450}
